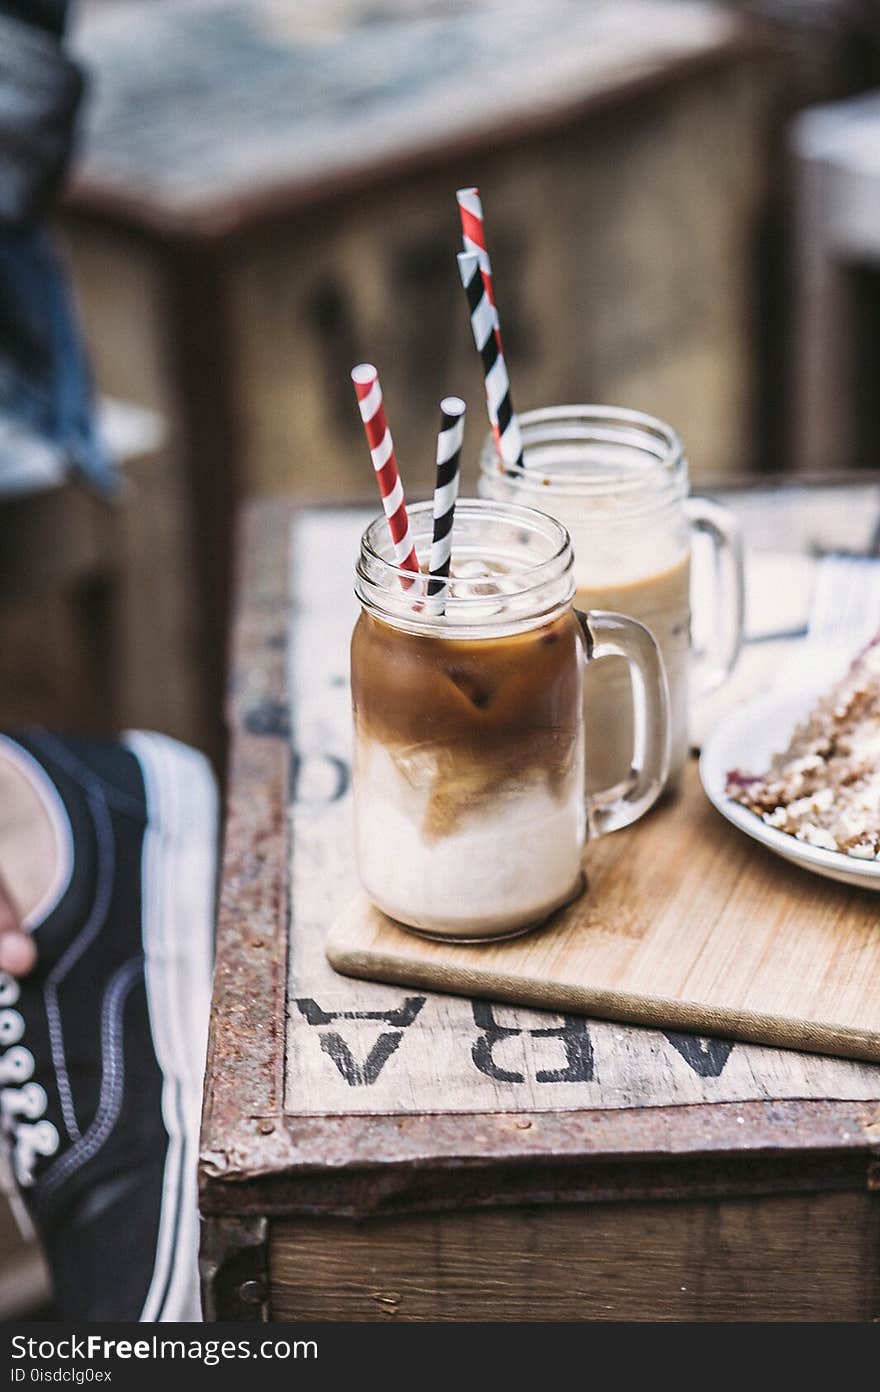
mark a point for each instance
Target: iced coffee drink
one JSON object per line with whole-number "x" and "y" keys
{"x": 618, "y": 481}
{"x": 469, "y": 753}
{"x": 470, "y": 819}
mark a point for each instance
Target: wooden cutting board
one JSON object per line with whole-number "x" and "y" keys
{"x": 686, "y": 924}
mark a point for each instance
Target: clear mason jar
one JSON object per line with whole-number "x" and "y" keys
{"x": 618, "y": 481}
{"x": 470, "y": 818}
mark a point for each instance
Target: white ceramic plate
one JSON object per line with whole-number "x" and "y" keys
{"x": 747, "y": 739}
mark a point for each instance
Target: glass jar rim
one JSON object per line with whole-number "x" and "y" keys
{"x": 533, "y": 593}
{"x": 617, "y": 426}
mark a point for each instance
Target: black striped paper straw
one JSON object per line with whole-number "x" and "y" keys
{"x": 473, "y": 237}
{"x": 498, "y": 402}
{"x": 449, "y": 439}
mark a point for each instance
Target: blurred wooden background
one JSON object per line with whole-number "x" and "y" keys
{"x": 298, "y": 214}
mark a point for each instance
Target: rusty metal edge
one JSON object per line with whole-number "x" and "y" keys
{"x": 257, "y": 1159}
{"x": 395, "y": 1192}
{"x": 357, "y": 1166}
{"x": 245, "y": 1065}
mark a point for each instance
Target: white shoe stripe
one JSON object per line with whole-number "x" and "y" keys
{"x": 179, "y": 866}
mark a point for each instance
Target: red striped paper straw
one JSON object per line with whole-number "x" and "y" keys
{"x": 369, "y": 395}
{"x": 473, "y": 236}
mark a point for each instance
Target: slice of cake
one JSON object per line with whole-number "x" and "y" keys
{"x": 825, "y": 787}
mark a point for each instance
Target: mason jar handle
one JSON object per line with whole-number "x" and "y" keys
{"x": 726, "y": 624}
{"x": 615, "y": 635}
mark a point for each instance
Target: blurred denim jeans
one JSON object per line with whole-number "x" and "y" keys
{"x": 46, "y": 405}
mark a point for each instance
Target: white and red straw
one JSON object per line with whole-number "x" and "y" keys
{"x": 369, "y": 395}
{"x": 473, "y": 236}
{"x": 475, "y": 269}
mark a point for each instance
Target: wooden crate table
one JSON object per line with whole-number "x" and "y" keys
{"x": 375, "y": 1152}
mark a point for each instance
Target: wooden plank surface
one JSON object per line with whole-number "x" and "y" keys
{"x": 797, "y": 1257}
{"x": 359, "y": 1047}
{"x": 686, "y": 924}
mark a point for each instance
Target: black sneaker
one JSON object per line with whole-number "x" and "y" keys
{"x": 102, "y": 1047}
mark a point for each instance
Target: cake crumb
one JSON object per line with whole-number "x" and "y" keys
{"x": 825, "y": 787}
